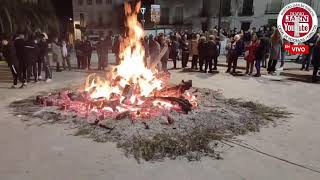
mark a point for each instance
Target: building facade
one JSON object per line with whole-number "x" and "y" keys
{"x": 96, "y": 16}
{"x": 240, "y": 14}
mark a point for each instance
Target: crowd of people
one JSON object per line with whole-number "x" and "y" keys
{"x": 28, "y": 57}
{"x": 262, "y": 48}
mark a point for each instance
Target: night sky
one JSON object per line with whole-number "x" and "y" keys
{"x": 63, "y": 8}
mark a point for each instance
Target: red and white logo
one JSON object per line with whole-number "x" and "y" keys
{"x": 297, "y": 22}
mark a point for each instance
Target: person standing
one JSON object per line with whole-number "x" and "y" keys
{"x": 117, "y": 48}
{"x": 260, "y": 54}
{"x": 43, "y": 55}
{"x": 145, "y": 42}
{"x": 102, "y": 51}
{"x": 234, "y": 53}
{"x": 154, "y": 48}
{"x": 202, "y": 52}
{"x": 251, "y": 57}
{"x": 195, "y": 51}
{"x": 275, "y": 51}
{"x": 316, "y": 60}
{"x": 174, "y": 51}
{"x": 212, "y": 54}
{"x": 87, "y": 47}
{"x": 79, "y": 53}
{"x": 65, "y": 55}
{"x": 57, "y": 53}
{"x": 19, "y": 46}
{"x": 164, "y": 60}
{"x": 307, "y": 58}
{"x": 185, "y": 48}
{"x": 9, "y": 53}
{"x": 31, "y": 55}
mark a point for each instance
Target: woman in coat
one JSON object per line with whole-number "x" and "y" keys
{"x": 251, "y": 57}
{"x": 275, "y": 51}
{"x": 202, "y": 52}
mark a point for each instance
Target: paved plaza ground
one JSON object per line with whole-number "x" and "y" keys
{"x": 51, "y": 152}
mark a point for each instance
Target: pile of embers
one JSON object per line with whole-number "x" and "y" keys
{"x": 176, "y": 98}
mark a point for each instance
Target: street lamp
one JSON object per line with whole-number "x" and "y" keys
{"x": 143, "y": 11}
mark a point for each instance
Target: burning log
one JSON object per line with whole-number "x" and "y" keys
{"x": 185, "y": 105}
{"x": 158, "y": 59}
{"x": 176, "y": 90}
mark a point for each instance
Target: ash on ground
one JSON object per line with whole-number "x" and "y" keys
{"x": 173, "y": 135}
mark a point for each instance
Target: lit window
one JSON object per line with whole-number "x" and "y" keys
{"x": 109, "y": 1}
{"x": 80, "y": 2}
{"x": 98, "y": 1}
{"x": 89, "y": 2}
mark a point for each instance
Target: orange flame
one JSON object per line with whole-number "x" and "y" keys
{"x": 131, "y": 82}
{"x": 132, "y": 70}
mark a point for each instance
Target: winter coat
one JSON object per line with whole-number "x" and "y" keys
{"x": 78, "y": 48}
{"x": 212, "y": 49}
{"x": 185, "y": 45}
{"x": 275, "y": 51}
{"x": 202, "y": 49}
{"x": 252, "y": 48}
{"x": 316, "y": 56}
{"x": 57, "y": 53}
{"x": 64, "y": 50}
{"x": 174, "y": 48}
{"x": 19, "y": 46}
{"x": 9, "y": 53}
{"x": 43, "y": 49}
{"x": 166, "y": 55}
{"x": 236, "y": 49}
{"x": 154, "y": 48}
{"x": 194, "y": 47}
{"x": 87, "y": 48}
{"x": 261, "y": 49}
{"x": 102, "y": 48}
{"x": 31, "y": 52}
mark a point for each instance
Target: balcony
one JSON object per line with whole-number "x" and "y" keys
{"x": 273, "y": 8}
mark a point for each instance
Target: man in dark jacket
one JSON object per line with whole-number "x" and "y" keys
{"x": 9, "y": 53}
{"x": 87, "y": 48}
{"x": 261, "y": 54}
{"x": 31, "y": 54}
{"x": 44, "y": 59}
{"x": 102, "y": 50}
{"x": 212, "y": 54}
{"x": 185, "y": 48}
{"x": 174, "y": 51}
{"x": 202, "y": 48}
{"x": 19, "y": 46}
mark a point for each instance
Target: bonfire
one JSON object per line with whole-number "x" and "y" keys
{"x": 132, "y": 88}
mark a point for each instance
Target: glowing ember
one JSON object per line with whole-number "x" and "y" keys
{"x": 131, "y": 88}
